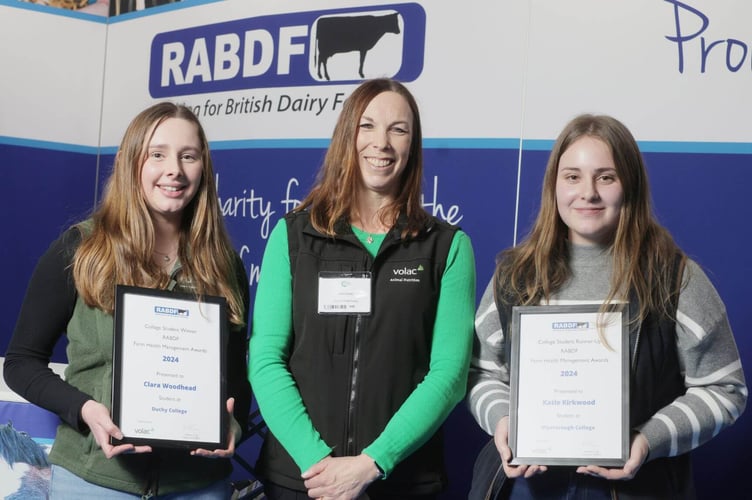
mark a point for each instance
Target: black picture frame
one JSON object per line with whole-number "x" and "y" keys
{"x": 168, "y": 366}
{"x": 543, "y": 370}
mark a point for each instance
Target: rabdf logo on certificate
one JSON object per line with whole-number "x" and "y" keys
{"x": 171, "y": 311}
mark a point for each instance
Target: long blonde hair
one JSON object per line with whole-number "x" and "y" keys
{"x": 119, "y": 245}
{"x": 333, "y": 196}
{"x": 645, "y": 256}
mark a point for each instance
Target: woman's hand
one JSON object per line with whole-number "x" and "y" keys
{"x": 97, "y": 417}
{"x": 342, "y": 478}
{"x": 638, "y": 452}
{"x": 230, "y": 450}
{"x": 501, "y": 438}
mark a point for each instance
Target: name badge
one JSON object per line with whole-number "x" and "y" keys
{"x": 344, "y": 292}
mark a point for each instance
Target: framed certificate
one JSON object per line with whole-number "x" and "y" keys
{"x": 169, "y": 355}
{"x": 569, "y": 385}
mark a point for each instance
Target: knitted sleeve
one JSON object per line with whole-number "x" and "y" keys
{"x": 716, "y": 391}
{"x": 488, "y": 379}
{"x": 444, "y": 386}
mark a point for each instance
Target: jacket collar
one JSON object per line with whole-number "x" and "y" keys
{"x": 344, "y": 231}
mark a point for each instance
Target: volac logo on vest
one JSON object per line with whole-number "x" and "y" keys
{"x": 406, "y": 274}
{"x": 290, "y": 50}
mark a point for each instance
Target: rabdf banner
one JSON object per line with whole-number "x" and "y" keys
{"x": 308, "y": 50}
{"x": 269, "y": 80}
{"x": 282, "y": 70}
{"x": 495, "y": 82}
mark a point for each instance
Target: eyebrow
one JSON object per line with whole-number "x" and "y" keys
{"x": 401, "y": 122}
{"x": 181, "y": 148}
{"x": 597, "y": 170}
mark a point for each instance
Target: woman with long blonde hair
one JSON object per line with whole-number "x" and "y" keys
{"x": 595, "y": 240}
{"x": 158, "y": 226}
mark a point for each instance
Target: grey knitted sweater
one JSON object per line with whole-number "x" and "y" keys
{"x": 716, "y": 391}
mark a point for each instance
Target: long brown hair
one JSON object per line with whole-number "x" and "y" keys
{"x": 118, "y": 247}
{"x": 644, "y": 253}
{"x": 334, "y": 193}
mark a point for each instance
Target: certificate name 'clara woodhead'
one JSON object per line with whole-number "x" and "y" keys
{"x": 169, "y": 355}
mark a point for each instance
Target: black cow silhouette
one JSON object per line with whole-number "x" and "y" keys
{"x": 335, "y": 35}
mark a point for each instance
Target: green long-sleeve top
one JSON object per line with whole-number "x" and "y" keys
{"x": 424, "y": 410}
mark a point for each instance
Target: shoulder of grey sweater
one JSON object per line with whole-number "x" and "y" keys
{"x": 699, "y": 301}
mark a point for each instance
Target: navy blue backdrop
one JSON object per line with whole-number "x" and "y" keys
{"x": 698, "y": 196}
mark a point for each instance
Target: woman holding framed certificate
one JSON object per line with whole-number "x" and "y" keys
{"x": 363, "y": 318}
{"x": 596, "y": 241}
{"x": 158, "y": 227}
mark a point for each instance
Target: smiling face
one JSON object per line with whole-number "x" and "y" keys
{"x": 383, "y": 143}
{"x": 589, "y": 195}
{"x": 171, "y": 173}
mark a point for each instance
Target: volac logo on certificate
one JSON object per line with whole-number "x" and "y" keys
{"x": 344, "y": 292}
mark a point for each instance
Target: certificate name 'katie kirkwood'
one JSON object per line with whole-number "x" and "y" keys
{"x": 569, "y": 386}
